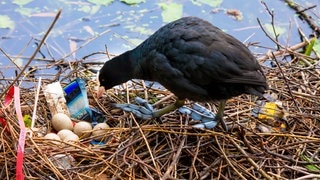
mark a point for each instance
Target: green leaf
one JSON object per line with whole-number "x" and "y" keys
{"x": 6, "y": 22}
{"x": 279, "y": 30}
{"x": 85, "y": 8}
{"x": 26, "y": 11}
{"x": 171, "y": 12}
{"x": 311, "y": 167}
{"x": 316, "y": 46}
{"x": 310, "y": 47}
{"x": 18, "y": 62}
{"x": 94, "y": 9}
{"x": 131, "y": 2}
{"x": 101, "y": 2}
{"x": 21, "y": 2}
{"x": 212, "y": 3}
{"x": 27, "y": 120}
{"x": 89, "y": 9}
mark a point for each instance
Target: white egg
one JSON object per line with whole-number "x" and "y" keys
{"x": 82, "y": 129}
{"x": 71, "y": 138}
{"x": 99, "y": 130}
{"x": 64, "y": 133}
{"x": 61, "y": 121}
{"x": 53, "y": 136}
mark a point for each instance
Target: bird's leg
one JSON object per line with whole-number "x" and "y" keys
{"x": 146, "y": 111}
{"x": 169, "y": 108}
{"x": 207, "y": 118}
{"x": 219, "y": 115}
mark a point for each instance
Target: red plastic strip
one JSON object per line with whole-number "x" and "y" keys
{"x": 22, "y": 136}
{"x": 3, "y": 123}
{"x": 7, "y": 101}
{"x": 9, "y": 97}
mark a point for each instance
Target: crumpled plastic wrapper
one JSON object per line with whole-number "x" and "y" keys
{"x": 272, "y": 115}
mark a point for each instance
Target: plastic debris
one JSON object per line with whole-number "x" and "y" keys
{"x": 271, "y": 114}
{"x": 77, "y": 100}
{"x": 55, "y": 98}
{"x": 78, "y": 103}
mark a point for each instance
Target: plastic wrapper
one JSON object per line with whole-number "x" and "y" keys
{"x": 55, "y": 98}
{"x": 72, "y": 100}
{"x": 272, "y": 115}
{"x": 78, "y": 104}
{"x": 77, "y": 100}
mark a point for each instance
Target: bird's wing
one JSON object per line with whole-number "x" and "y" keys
{"x": 157, "y": 67}
{"x": 218, "y": 62}
{"x": 197, "y": 52}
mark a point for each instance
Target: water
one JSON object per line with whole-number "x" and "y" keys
{"x": 124, "y": 27}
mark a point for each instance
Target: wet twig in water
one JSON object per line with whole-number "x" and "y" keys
{"x": 290, "y": 49}
{"x": 34, "y": 54}
{"x": 271, "y": 13}
{"x": 303, "y": 15}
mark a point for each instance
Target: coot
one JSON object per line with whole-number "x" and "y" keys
{"x": 194, "y": 60}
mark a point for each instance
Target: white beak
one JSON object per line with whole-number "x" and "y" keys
{"x": 100, "y": 91}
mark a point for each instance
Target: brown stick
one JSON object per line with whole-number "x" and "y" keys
{"x": 303, "y": 15}
{"x": 33, "y": 55}
{"x": 291, "y": 49}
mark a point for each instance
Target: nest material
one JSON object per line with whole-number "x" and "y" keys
{"x": 168, "y": 147}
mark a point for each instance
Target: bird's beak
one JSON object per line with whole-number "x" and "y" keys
{"x": 100, "y": 91}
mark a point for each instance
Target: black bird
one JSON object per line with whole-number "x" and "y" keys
{"x": 194, "y": 60}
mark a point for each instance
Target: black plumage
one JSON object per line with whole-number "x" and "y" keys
{"x": 191, "y": 58}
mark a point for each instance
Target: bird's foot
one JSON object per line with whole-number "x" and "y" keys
{"x": 144, "y": 110}
{"x": 199, "y": 113}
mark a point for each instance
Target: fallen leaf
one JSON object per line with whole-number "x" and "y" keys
{"x": 235, "y": 13}
{"x": 171, "y": 11}
{"x": 279, "y": 30}
{"x": 6, "y": 22}
{"x": 101, "y": 2}
{"x": 212, "y": 3}
{"x": 21, "y": 2}
{"x": 316, "y": 46}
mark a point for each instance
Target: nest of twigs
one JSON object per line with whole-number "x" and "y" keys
{"x": 168, "y": 147}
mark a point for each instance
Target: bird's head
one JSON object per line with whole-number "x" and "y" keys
{"x": 114, "y": 72}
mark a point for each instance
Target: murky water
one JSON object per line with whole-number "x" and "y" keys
{"x": 121, "y": 27}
